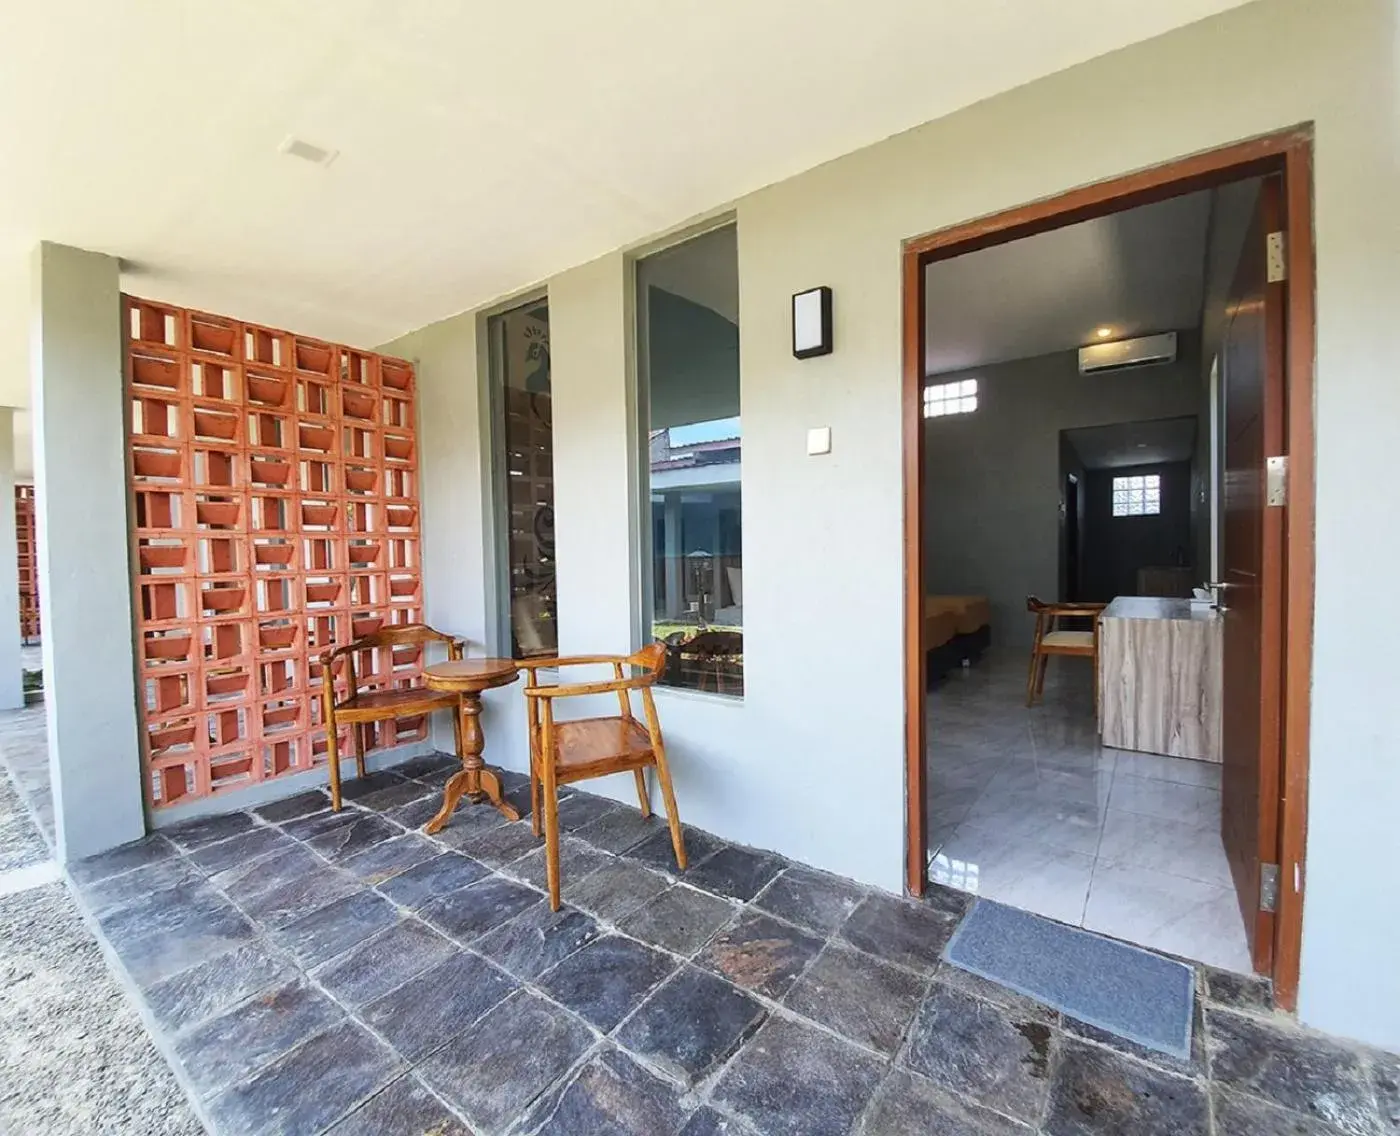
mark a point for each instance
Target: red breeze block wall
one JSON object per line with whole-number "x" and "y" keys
{"x": 28, "y": 563}
{"x": 274, "y": 506}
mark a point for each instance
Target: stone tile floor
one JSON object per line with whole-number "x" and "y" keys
{"x": 318, "y": 972}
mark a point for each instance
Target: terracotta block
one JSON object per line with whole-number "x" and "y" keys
{"x": 169, "y": 694}
{"x": 214, "y": 335}
{"x": 268, "y": 347}
{"x": 220, "y": 554}
{"x": 316, "y": 357}
{"x": 149, "y": 323}
{"x": 166, "y": 602}
{"x": 214, "y": 382}
{"x": 164, "y": 556}
{"x": 224, "y": 685}
{"x": 217, "y": 468}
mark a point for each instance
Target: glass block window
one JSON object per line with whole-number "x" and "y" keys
{"x": 950, "y": 398}
{"x": 1137, "y": 496}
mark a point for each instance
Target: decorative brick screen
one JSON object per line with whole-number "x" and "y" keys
{"x": 28, "y": 563}
{"x": 274, "y": 484}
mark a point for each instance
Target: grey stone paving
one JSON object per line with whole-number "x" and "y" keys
{"x": 74, "y": 1056}
{"x": 747, "y": 995}
{"x": 347, "y": 975}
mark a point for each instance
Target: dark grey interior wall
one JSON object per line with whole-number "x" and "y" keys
{"x": 992, "y": 478}
{"x": 1116, "y": 547}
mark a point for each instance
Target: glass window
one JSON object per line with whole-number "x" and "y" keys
{"x": 1138, "y": 496}
{"x": 519, "y": 342}
{"x": 950, "y": 398}
{"x": 688, "y": 371}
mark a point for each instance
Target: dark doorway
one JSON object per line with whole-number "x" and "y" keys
{"x": 1070, "y": 587}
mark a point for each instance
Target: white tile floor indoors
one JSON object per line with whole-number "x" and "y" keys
{"x": 1025, "y": 807}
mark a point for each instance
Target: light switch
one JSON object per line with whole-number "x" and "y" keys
{"x": 819, "y": 440}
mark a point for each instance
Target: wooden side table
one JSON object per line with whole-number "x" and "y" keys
{"x": 467, "y": 678}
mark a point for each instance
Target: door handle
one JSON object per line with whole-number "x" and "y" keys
{"x": 1222, "y": 585}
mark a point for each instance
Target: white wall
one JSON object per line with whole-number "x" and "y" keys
{"x": 811, "y": 761}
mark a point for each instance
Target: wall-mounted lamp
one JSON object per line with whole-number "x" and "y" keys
{"x": 811, "y": 323}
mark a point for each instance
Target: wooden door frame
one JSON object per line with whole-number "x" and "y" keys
{"x": 1289, "y": 154}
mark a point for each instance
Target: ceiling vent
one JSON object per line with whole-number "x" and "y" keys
{"x": 1120, "y": 356}
{"x": 307, "y": 152}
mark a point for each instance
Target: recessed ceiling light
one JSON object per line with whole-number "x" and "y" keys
{"x": 1104, "y": 332}
{"x": 307, "y": 152}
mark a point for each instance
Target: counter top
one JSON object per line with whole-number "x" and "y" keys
{"x": 1158, "y": 607}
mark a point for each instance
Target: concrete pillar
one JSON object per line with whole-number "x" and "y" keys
{"x": 671, "y": 527}
{"x": 84, "y": 558}
{"x": 11, "y": 671}
{"x": 717, "y": 567}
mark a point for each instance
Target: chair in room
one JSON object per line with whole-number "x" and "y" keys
{"x": 1051, "y": 638}
{"x": 365, "y": 707}
{"x": 562, "y": 752}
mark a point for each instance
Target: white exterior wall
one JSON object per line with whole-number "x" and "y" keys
{"x": 810, "y": 763}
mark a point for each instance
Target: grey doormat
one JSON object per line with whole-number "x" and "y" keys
{"x": 1131, "y": 992}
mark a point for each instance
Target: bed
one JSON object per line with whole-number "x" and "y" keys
{"x": 972, "y": 623}
{"x": 940, "y": 636}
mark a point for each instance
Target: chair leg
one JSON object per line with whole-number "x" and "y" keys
{"x": 642, "y": 792}
{"x": 663, "y": 775}
{"x": 1030, "y": 679}
{"x": 333, "y": 765}
{"x": 551, "y": 838}
{"x": 359, "y": 731}
{"x": 536, "y": 799}
{"x": 1040, "y": 680}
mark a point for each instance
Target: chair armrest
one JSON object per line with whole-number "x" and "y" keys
{"x": 533, "y": 664}
{"x": 575, "y": 689}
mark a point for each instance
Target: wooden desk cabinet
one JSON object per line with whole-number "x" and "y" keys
{"x": 1160, "y": 677}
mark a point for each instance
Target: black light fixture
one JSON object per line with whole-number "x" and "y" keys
{"x": 811, "y": 322}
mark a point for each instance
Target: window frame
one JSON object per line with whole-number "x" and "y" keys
{"x": 642, "y": 568}
{"x": 490, "y": 347}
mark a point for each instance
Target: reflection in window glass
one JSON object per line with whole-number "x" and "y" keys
{"x": 688, "y": 327}
{"x": 1137, "y": 496}
{"x": 520, "y": 363}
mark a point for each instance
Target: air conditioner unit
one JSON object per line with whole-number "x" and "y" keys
{"x": 1125, "y": 353}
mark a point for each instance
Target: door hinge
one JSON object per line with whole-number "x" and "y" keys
{"x": 1276, "y": 481}
{"x": 1278, "y": 266}
{"x": 1268, "y": 887}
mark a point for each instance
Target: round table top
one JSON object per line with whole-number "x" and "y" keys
{"x": 470, "y": 674}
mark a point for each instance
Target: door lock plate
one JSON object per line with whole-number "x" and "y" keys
{"x": 1276, "y": 481}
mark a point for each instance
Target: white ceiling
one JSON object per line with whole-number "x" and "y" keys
{"x": 1135, "y": 272}
{"x": 482, "y": 146}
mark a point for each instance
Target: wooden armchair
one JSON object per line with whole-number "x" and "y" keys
{"x": 378, "y": 705}
{"x": 562, "y": 752}
{"x": 1050, "y": 639}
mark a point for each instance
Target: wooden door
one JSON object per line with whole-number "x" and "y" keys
{"x": 1252, "y": 377}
